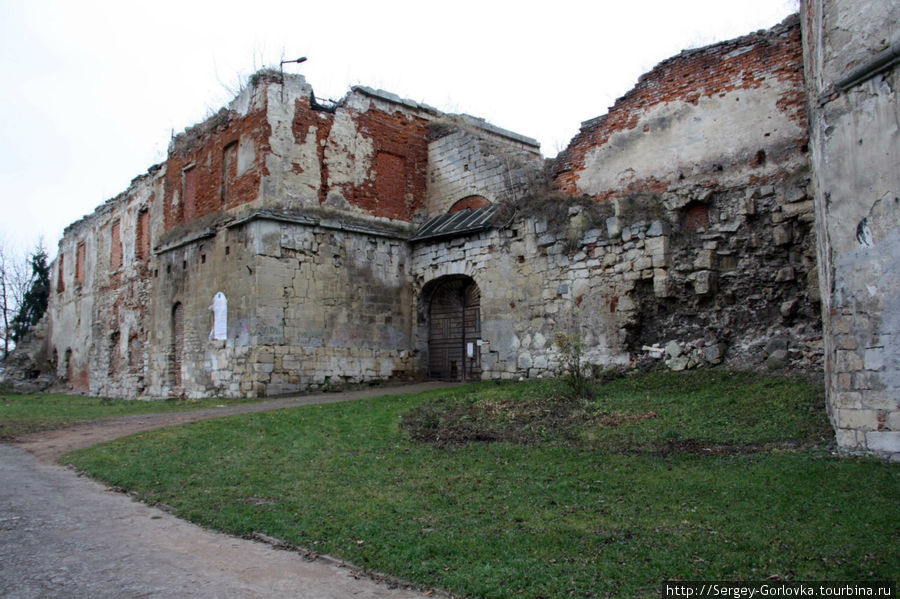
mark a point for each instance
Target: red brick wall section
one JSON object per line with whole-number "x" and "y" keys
{"x": 401, "y": 161}
{"x": 80, "y": 256}
{"x": 142, "y": 236}
{"x": 60, "y": 279}
{"x": 115, "y": 246}
{"x": 742, "y": 63}
{"x": 205, "y": 184}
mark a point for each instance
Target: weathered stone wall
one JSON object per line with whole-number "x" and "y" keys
{"x": 468, "y": 157}
{"x": 683, "y": 219}
{"x": 310, "y": 305}
{"x": 855, "y": 142}
{"x": 298, "y": 213}
{"x": 100, "y": 284}
{"x": 708, "y": 152}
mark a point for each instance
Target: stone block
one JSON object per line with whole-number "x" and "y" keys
{"x": 797, "y": 209}
{"x": 661, "y": 286}
{"x": 715, "y": 354}
{"x": 705, "y": 260}
{"x": 784, "y": 274}
{"x": 766, "y": 191}
{"x": 777, "y": 360}
{"x": 703, "y": 282}
{"x": 794, "y": 194}
{"x": 893, "y": 421}
{"x": 867, "y": 380}
{"x": 678, "y": 364}
{"x": 782, "y": 234}
{"x": 643, "y": 262}
{"x": 849, "y": 400}
{"x": 661, "y": 261}
{"x": 848, "y": 361}
{"x": 874, "y": 358}
{"x": 881, "y": 400}
{"x": 857, "y": 419}
{"x": 673, "y": 350}
{"x": 847, "y": 438}
{"x": 789, "y": 308}
{"x": 658, "y": 228}
{"x": 884, "y": 442}
{"x": 657, "y": 246}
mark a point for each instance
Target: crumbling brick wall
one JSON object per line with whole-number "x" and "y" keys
{"x": 710, "y": 148}
{"x": 100, "y": 300}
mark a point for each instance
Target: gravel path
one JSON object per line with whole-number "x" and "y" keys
{"x": 64, "y": 535}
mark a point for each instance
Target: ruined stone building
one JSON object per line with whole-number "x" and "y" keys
{"x": 287, "y": 244}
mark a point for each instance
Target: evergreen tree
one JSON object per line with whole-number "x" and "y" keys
{"x": 34, "y": 301}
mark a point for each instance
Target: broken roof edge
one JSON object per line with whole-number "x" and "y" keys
{"x": 472, "y": 121}
{"x": 778, "y": 30}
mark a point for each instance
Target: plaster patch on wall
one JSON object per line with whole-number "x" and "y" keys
{"x": 348, "y": 152}
{"x": 679, "y": 136}
{"x": 293, "y": 164}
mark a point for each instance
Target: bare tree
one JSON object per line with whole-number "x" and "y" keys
{"x": 4, "y": 302}
{"x": 15, "y": 274}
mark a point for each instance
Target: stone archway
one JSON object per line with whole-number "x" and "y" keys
{"x": 454, "y": 330}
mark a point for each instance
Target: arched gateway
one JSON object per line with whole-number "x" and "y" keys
{"x": 454, "y": 330}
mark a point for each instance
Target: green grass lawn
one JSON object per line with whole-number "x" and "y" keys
{"x": 690, "y": 476}
{"x": 21, "y": 414}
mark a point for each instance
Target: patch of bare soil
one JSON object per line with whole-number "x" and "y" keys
{"x": 453, "y": 421}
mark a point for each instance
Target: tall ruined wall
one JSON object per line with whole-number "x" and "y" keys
{"x": 851, "y": 50}
{"x": 275, "y": 147}
{"x": 711, "y": 147}
{"x": 100, "y": 288}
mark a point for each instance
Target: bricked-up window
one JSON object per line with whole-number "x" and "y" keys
{"x": 142, "y": 236}
{"x": 80, "y": 257}
{"x": 135, "y": 353}
{"x": 115, "y": 246}
{"x": 696, "y": 215}
{"x": 60, "y": 280}
{"x": 470, "y": 203}
{"x": 189, "y": 183}
{"x": 229, "y": 170}
{"x": 177, "y": 351}
{"x": 390, "y": 183}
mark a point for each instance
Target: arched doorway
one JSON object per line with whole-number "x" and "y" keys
{"x": 177, "y": 350}
{"x": 454, "y": 330}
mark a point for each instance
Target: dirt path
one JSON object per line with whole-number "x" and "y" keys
{"x": 49, "y": 446}
{"x": 64, "y": 535}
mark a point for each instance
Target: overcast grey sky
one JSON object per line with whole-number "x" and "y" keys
{"x": 93, "y": 90}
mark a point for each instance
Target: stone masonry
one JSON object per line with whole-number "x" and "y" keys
{"x": 739, "y": 193}
{"x": 851, "y": 51}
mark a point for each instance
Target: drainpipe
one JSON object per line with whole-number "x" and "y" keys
{"x": 882, "y": 61}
